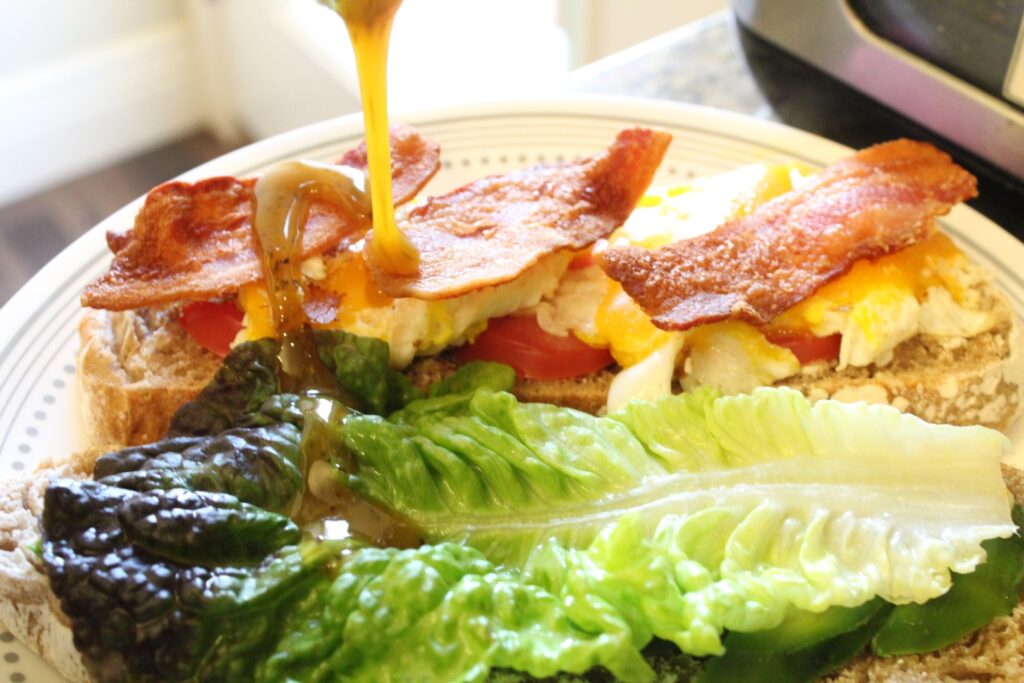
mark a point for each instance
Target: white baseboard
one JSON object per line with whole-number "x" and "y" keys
{"x": 78, "y": 114}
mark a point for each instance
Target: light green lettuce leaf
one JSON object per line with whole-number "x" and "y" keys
{"x": 438, "y": 613}
{"x": 696, "y": 513}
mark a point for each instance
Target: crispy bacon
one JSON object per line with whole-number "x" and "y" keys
{"x": 491, "y": 230}
{"x": 195, "y": 240}
{"x": 878, "y": 201}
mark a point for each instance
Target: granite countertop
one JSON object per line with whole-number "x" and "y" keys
{"x": 699, "y": 63}
{"x": 716, "y": 63}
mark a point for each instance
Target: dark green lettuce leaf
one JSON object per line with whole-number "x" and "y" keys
{"x": 247, "y": 378}
{"x": 139, "y": 613}
{"x": 360, "y": 366}
{"x": 992, "y": 590}
{"x": 796, "y": 666}
{"x": 203, "y": 528}
{"x": 292, "y": 408}
{"x": 258, "y": 465}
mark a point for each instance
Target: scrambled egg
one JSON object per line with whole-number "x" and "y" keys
{"x": 928, "y": 288}
{"x": 412, "y": 327}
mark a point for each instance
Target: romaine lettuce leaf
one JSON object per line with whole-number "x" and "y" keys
{"x": 991, "y": 591}
{"x": 696, "y": 513}
{"x": 438, "y": 613}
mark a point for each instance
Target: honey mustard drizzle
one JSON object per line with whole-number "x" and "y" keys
{"x": 284, "y": 195}
{"x": 283, "y": 199}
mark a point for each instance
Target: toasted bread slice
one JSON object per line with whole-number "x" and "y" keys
{"x": 135, "y": 368}
{"x": 31, "y": 612}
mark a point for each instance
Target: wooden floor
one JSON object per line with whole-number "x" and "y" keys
{"x": 34, "y": 230}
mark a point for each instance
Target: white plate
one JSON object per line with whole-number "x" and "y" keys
{"x": 38, "y": 337}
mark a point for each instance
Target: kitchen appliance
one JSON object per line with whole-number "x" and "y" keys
{"x": 948, "y": 70}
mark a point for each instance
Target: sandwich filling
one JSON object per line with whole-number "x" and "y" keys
{"x": 735, "y": 281}
{"x": 857, "y": 320}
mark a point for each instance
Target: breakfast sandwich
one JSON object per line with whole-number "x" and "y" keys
{"x": 491, "y": 248}
{"x": 837, "y": 283}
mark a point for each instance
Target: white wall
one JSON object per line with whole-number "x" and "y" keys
{"x": 84, "y": 83}
{"x": 283, "y": 63}
{"x": 41, "y": 32}
{"x": 286, "y": 63}
{"x": 601, "y": 27}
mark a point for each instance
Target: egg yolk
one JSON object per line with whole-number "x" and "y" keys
{"x": 348, "y": 278}
{"x": 624, "y": 328}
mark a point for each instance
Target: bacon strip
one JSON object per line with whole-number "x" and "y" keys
{"x": 880, "y": 200}
{"x": 195, "y": 240}
{"x": 490, "y": 231}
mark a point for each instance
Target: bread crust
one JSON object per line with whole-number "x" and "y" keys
{"x": 135, "y": 368}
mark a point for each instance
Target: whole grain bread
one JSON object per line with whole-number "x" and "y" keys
{"x": 30, "y": 611}
{"x": 950, "y": 380}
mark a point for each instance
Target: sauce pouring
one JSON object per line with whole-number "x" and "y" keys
{"x": 283, "y": 197}
{"x": 369, "y": 27}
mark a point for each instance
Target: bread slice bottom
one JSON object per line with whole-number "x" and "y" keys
{"x": 948, "y": 380}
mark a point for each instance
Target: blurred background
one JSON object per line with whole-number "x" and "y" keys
{"x": 101, "y": 100}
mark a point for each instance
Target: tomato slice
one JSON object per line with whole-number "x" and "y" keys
{"x": 214, "y": 324}
{"x": 586, "y": 257}
{"x": 805, "y": 346}
{"x": 582, "y": 259}
{"x": 534, "y": 354}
